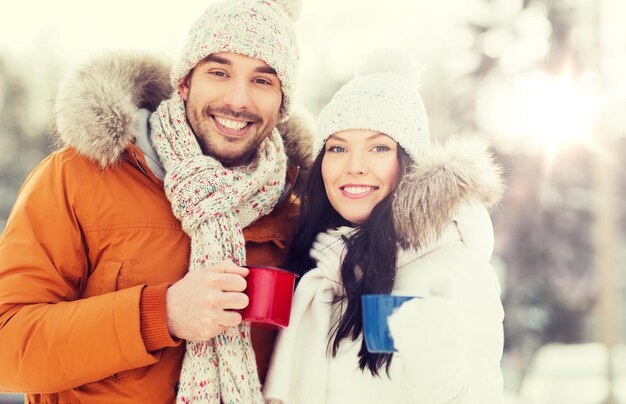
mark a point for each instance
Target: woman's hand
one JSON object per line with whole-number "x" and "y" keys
{"x": 430, "y": 330}
{"x": 431, "y": 336}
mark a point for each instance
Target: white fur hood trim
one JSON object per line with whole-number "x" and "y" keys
{"x": 459, "y": 172}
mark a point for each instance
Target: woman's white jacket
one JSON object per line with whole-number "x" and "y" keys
{"x": 450, "y": 340}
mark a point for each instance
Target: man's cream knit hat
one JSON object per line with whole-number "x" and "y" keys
{"x": 262, "y": 29}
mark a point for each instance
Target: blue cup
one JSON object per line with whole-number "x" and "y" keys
{"x": 376, "y": 309}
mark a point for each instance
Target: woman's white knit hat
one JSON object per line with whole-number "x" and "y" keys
{"x": 262, "y": 29}
{"x": 383, "y": 97}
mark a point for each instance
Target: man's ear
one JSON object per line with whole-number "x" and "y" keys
{"x": 184, "y": 86}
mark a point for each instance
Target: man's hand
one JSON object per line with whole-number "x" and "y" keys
{"x": 203, "y": 303}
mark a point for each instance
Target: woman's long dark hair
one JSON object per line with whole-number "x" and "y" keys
{"x": 370, "y": 262}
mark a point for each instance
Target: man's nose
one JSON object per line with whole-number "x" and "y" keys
{"x": 237, "y": 95}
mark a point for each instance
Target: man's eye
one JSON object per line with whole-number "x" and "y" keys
{"x": 262, "y": 81}
{"x": 218, "y": 74}
{"x": 336, "y": 149}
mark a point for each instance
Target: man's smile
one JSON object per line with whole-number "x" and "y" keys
{"x": 232, "y": 127}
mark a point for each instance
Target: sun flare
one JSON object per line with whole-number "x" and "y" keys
{"x": 555, "y": 113}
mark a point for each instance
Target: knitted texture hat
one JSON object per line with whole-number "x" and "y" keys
{"x": 382, "y": 97}
{"x": 262, "y": 29}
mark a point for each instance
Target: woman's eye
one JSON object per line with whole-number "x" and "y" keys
{"x": 336, "y": 149}
{"x": 381, "y": 148}
{"x": 218, "y": 74}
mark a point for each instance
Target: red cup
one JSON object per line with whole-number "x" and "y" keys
{"x": 270, "y": 291}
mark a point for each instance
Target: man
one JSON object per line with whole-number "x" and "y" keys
{"x": 126, "y": 245}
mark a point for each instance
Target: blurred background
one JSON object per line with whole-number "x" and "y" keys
{"x": 543, "y": 80}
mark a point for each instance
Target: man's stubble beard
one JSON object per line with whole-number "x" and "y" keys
{"x": 203, "y": 126}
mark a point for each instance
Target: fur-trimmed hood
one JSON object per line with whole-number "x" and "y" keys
{"x": 96, "y": 106}
{"x": 458, "y": 172}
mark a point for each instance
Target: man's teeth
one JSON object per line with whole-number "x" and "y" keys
{"x": 227, "y": 123}
{"x": 358, "y": 190}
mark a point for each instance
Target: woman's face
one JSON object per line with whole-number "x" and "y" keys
{"x": 359, "y": 168}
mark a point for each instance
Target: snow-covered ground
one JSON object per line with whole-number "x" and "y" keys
{"x": 574, "y": 374}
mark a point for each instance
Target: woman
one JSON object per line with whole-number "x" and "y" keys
{"x": 386, "y": 211}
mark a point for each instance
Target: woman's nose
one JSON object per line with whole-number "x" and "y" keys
{"x": 357, "y": 164}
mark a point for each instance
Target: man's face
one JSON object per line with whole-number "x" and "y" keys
{"x": 232, "y": 104}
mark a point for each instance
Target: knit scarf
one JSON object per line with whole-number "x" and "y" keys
{"x": 214, "y": 203}
{"x": 299, "y": 366}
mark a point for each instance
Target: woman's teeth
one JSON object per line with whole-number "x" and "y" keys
{"x": 358, "y": 190}
{"x": 227, "y": 123}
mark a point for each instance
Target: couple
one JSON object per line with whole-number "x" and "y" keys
{"x": 121, "y": 262}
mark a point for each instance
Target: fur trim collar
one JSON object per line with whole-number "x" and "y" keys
{"x": 96, "y": 107}
{"x": 460, "y": 171}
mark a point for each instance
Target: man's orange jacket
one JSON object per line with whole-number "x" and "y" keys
{"x": 85, "y": 259}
